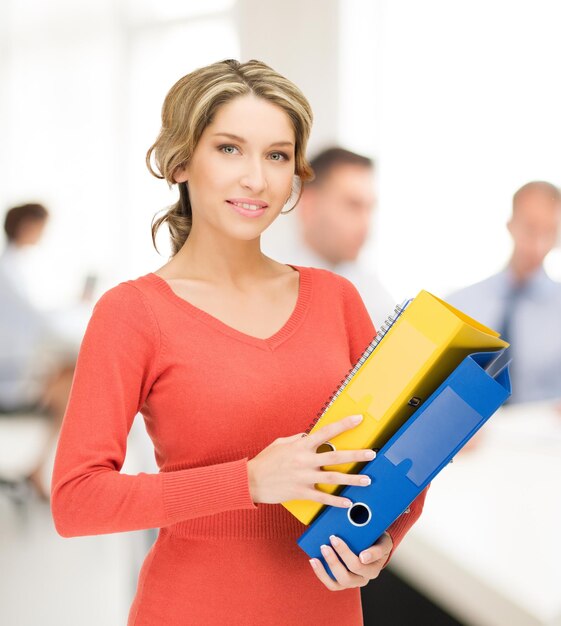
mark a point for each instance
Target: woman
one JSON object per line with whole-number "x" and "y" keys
{"x": 228, "y": 355}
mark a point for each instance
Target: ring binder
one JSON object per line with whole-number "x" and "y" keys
{"x": 384, "y": 328}
{"x": 416, "y": 348}
{"x": 413, "y": 456}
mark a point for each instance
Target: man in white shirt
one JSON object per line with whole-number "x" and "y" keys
{"x": 23, "y": 326}
{"x": 334, "y": 217}
{"x": 24, "y": 226}
{"x": 522, "y": 301}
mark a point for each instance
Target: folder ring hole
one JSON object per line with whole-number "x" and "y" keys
{"x": 326, "y": 447}
{"x": 359, "y": 514}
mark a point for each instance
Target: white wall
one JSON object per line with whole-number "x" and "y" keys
{"x": 457, "y": 102}
{"x": 82, "y": 88}
{"x": 467, "y": 99}
{"x": 59, "y": 126}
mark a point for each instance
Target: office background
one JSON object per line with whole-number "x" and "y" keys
{"x": 457, "y": 102}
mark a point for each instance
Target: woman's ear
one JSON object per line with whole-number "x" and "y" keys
{"x": 180, "y": 174}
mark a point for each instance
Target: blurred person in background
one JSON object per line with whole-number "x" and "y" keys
{"x": 522, "y": 302}
{"x": 24, "y": 227}
{"x": 36, "y": 362}
{"x": 334, "y": 219}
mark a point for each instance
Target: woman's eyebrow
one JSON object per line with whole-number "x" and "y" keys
{"x": 242, "y": 140}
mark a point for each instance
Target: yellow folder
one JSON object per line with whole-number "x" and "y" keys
{"x": 410, "y": 357}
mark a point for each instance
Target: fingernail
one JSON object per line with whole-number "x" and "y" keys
{"x": 365, "y": 480}
{"x": 324, "y": 550}
{"x": 348, "y": 503}
{"x": 365, "y": 557}
{"x": 313, "y": 563}
{"x": 356, "y": 419}
{"x": 334, "y": 540}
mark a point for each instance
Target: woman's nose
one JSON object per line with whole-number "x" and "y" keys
{"x": 254, "y": 177}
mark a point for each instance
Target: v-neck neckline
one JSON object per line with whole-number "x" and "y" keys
{"x": 268, "y": 343}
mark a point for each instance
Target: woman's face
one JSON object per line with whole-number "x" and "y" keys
{"x": 240, "y": 175}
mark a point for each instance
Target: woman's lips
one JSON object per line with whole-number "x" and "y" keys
{"x": 241, "y": 208}
{"x": 248, "y": 203}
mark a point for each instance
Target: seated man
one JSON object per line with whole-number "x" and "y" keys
{"x": 521, "y": 301}
{"x": 36, "y": 362}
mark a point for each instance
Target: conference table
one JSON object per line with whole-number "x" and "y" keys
{"x": 487, "y": 547}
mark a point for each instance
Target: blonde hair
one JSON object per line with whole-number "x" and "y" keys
{"x": 189, "y": 107}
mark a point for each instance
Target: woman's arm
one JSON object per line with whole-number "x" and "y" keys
{"x": 116, "y": 367}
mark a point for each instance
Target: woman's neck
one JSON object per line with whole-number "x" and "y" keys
{"x": 220, "y": 261}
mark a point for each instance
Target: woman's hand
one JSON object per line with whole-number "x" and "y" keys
{"x": 360, "y": 570}
{"x": 289, "y": 468}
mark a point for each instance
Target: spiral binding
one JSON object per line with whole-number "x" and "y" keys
{"x": 384, "y": 328}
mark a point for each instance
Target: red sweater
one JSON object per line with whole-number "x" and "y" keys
{"x": 212, "y": 397}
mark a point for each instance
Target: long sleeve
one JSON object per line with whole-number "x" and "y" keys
{"x": 116, "y": 367}
{"x": 361, "y": 332}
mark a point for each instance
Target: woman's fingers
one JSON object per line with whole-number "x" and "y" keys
{"x": 344, "y": 579}
{"x": 349, "y": 558}
{"x": 348, "y": 569}
{"x": 344, "y": 456}
{"x": 324, "y": 577}
{"x": 315, "y": 439}
{"x": 326, "y": 498}
{"x": 288, "y": 468}
{"x": 335, "y": 478}
{"x": 380, "y": 550}
{"x": 339, "y": 478}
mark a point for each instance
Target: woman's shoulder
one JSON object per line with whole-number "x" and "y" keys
{"x": 127, "y": 297}
{"x": 327, "y": 279}
{"x": 124, "y": 312}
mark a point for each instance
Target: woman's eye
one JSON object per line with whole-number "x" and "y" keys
{"x": 228, "y": 149}
{"x": 279, "y": 156}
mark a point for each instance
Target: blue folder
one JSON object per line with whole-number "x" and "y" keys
{"x": 414, "y": 455}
